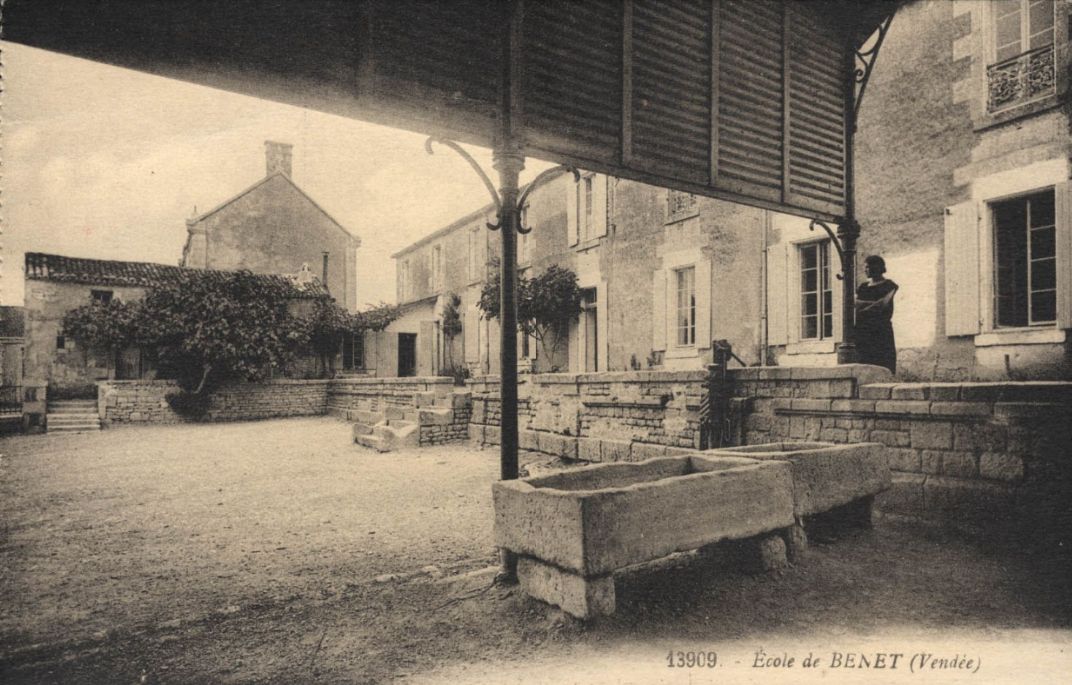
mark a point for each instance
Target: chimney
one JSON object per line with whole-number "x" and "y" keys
{"x": 325, "y": 281}
{"x": 278, "y": 157}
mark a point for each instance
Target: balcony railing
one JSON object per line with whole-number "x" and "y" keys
{"x": 10, "y": 399}
{"x": 1021, "y": 79}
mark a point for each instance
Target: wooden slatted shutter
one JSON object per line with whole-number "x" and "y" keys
{"x": 572, "y": 189}
{"x": 471, "y": 334}
{"x": 777, "y": 294}
{"x": 750, "y": 87}
{"x": 658, "y": 310}
{"x": 599, "y": 205}
{"x": 703, "y": 303}
{"x": 1063, "y": 232}
{"x": 961, "y": 270}
{"x": 671, "y": 84}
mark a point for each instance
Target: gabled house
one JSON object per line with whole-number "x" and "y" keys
{"x": 56, "y": 284}
{"x": 274, "y": 227}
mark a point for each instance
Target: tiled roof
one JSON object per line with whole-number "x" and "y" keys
{"x": 52, "y": 267}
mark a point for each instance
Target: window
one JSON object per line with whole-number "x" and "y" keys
{"x": 590, "y": 322}
{"x": 816, "y": 293}
{"x": 403, "y": 281}
{"x": 437, "y": 267}
{"x": 1025, "y": 263}
{"x": 100, "y": 296}
{"x": 586, "y": 225}
{"x": 685, "y": 282}
{"x": 353, "y": 351}
{"x": 61, "y": 342}
{"x": 1025, "y": 65}
{"x": 476, "y": 271}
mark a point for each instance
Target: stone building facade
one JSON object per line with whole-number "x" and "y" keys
{"x": 962, "y": 176}
{"x": 56, "y": 284}
{"x": 274, "y": 227}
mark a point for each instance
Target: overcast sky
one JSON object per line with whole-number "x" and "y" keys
{"x": 108, "y": 163}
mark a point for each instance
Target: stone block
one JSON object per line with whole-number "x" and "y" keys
{"x": 578, "y": 596}
{"x": 810, "y": 405}
{"x": 1020, "y": 412}
{"x": 932, "y": 435}
{"x": 944, "y": 392}
{"x": 855, "y": 406}
{"x": 615, "y": 450}
{"x": 931, "y": 461}
{"x": 589, "y": 449}
{"x": 640, "y": 451}
{"x": 909, "y": 391}
{"x": 903, "y": 459}
{"x": 876, "y": 391}
{"x": 492, "y": 435}
{"x": 968, "y": 409}
{"x": 959, "y": 464}
{"x": 1000, "y": 466}
{"x": 982, "y": 437}
{"x": 528, "y": 440}
{"x": 564, "y": 446}
{"x": 424, "y": 399}
{"x": 981, "y": 392}
{"x": 891, "y": 438}
{"x": 903, "y": 407}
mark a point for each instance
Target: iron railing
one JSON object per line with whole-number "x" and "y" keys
{"x": 11, "y": 399}
{"x": 1021, "y": 79}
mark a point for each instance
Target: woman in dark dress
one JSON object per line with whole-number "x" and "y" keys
{"x": 874, "y": 314}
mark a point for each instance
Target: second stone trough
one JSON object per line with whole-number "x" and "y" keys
{"x": 574, "y": 529}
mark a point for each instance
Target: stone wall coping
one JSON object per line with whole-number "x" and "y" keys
{"x": 688, "y": 375}
{"x": 166, "y": 383}
{"x": 1004, "y": 391}
{"x": 395, "y": 380}
{"x": 863, "y": 373}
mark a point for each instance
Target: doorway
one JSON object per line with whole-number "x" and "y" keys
{"x": 407, "y": 354}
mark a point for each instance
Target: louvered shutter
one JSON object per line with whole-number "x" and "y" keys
{"x": 602, "y": 342}
{"x": 599, "y": 205}
{"x": 471, "y": 334}
{"x": 961, "y": 270}
{"x": 572, "y": 188}
{"x": 658, "y": 310}
{"x": 777, "y": 294}
{"x": 703, "y": 303}
{"x": 750, "y": 88}
{"x": 1063, "y": 232}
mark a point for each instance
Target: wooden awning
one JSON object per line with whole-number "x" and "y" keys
{"x": 740, "y": 99}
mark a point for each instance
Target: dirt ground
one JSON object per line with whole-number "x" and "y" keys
{"x": 278, "y": 551}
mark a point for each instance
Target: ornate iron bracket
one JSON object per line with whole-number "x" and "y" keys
{"x": 540, "y": 179}
{"x": 866, "y": 60}
{"x": 836, "y": 242}
{"x": 476, "y": 167}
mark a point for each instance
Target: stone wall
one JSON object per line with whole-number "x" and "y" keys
{"x": 971, "y": 453}
{"x": 595, "y": 417}
{"x": 124, "y": 402}
{"x": 377, "y": 394}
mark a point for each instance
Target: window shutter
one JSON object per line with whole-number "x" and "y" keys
{"x": 470, "y": 334}
{"x": 1063, "y": 233}
{"x": 603, "y": 348}
{"x": 571, "y": 212}
{"x": 599, "y": 205}
{"x": 777, "y": 287}
{"x": 658, "y": 310}
{"x": 703, "y": 303}
{"x": 961, "y": 270}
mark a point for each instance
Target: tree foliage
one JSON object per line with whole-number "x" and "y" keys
{"x": 546, "y": 305}
{"x": 329, "y": 324}
{"x": 110, "y": 326}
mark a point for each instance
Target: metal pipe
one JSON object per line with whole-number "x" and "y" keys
{"x": 848, "y": 228}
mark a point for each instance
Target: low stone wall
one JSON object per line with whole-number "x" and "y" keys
{"x": 454, "y": 428}
{"x": 134, "y": 402}
{"x": 377, "y": 394}
{"x": 596, "y": 417}
{"x": 973, "y": 453}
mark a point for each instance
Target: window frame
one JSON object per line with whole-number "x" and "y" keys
{"x": 995, "y": 283}
{"x": 824, "y": 285}
{"x": 98, "y": 296}
{"x": 689, "y": 328}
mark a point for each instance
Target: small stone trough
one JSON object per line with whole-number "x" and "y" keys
{"x": 574, "y": 529}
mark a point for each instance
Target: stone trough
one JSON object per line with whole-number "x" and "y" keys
{"x": 572, "y": 530}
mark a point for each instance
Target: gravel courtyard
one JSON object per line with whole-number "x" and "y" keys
{"x": 136, "y": 526}
{"x": 278, "y": 551}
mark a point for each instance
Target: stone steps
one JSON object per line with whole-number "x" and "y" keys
{"x": 68, "y": 416}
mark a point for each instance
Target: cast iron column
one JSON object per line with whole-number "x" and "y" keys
{"x": 848, "y": 229}
{"x": 509, "y": 164}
